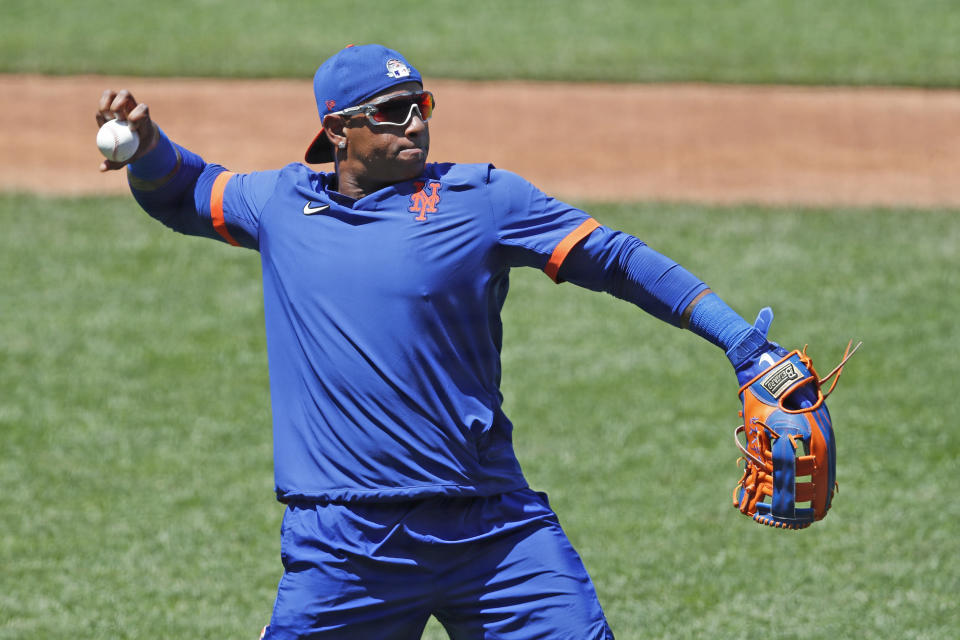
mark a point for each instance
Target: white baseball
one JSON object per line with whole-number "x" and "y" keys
{"x": 117, "y": 141}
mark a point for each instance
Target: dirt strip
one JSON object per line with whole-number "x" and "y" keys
{"x": 704, "y": 143}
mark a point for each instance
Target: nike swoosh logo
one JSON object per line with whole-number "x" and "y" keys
{"x": 766, "y": 359}
{"x": 309, "y": 211}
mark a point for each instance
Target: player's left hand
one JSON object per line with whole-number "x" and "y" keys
{"x": 755, "y": 352}
{"x": 121, "y": 105}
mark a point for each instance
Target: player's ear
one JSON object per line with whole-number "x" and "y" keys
{"x": 333, "y": 127}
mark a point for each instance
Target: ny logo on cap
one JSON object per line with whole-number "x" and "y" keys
{"x": 396, "y": 69}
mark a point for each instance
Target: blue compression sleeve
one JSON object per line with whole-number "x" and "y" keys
{"x": 175, "y": 186}
{"x": 625, "y": 267}
{"x": 714, "y": 320}
{"x": 159, "y": 163}
{"x": 164, "y": 178}
{"x": 163, "y": 183}
{"x": 743, "y": 343}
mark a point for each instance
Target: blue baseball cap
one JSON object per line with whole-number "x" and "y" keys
{"x": 350, "y": 77}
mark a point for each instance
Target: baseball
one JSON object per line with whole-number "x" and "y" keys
{"x": 117, "y": 141}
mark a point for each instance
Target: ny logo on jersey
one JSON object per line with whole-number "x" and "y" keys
{"x": 421, "y": 203}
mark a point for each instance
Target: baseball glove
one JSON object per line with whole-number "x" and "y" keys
{"x": 789, "y": 459}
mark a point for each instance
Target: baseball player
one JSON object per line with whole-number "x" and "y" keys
{"x": 383, "y": 282}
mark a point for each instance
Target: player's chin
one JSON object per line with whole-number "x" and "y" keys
{"x": 411, "y": 162}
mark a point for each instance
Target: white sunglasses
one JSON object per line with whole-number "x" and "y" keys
{"x": 390, "y": 109}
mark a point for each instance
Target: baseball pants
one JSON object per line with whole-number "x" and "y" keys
{"x": 490, "y": 568}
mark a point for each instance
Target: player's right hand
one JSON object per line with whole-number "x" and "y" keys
{"x": 121, "y": 105}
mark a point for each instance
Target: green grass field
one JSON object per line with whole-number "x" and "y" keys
{"x": 136, "y": 488}
{"x": 759, "y": 41}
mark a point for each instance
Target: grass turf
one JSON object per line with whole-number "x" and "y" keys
{"x": 135, "y": 481}
{"x": 886, "y": 42}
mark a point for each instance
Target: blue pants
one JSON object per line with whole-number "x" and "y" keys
{"x": 497, "y": 567}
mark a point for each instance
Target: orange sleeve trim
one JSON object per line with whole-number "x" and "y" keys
{"x": 216, "y": 207}
{"x": 566, "y": 245}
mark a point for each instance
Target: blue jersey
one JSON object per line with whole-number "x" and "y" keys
{"x": 383, "y": 326}
{"x": 383, "y": 323}
{"x": 383, "y": 315}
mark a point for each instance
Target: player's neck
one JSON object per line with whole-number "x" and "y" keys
{"x": 359, "y": 184}
{"x": 349, "y": 185}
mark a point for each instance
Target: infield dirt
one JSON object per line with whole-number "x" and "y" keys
{"x": 703, "y": 143}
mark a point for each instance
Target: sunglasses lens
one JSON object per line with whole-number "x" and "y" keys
{"x": 394, "y": 111}
{"x": 425, "y": 104}
{"x": 398, "y": 111}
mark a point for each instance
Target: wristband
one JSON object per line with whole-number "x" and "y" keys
{"x": 158, "y": 163}
{"x": 749, "y": 346}
{"x": 714, "y": 320}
